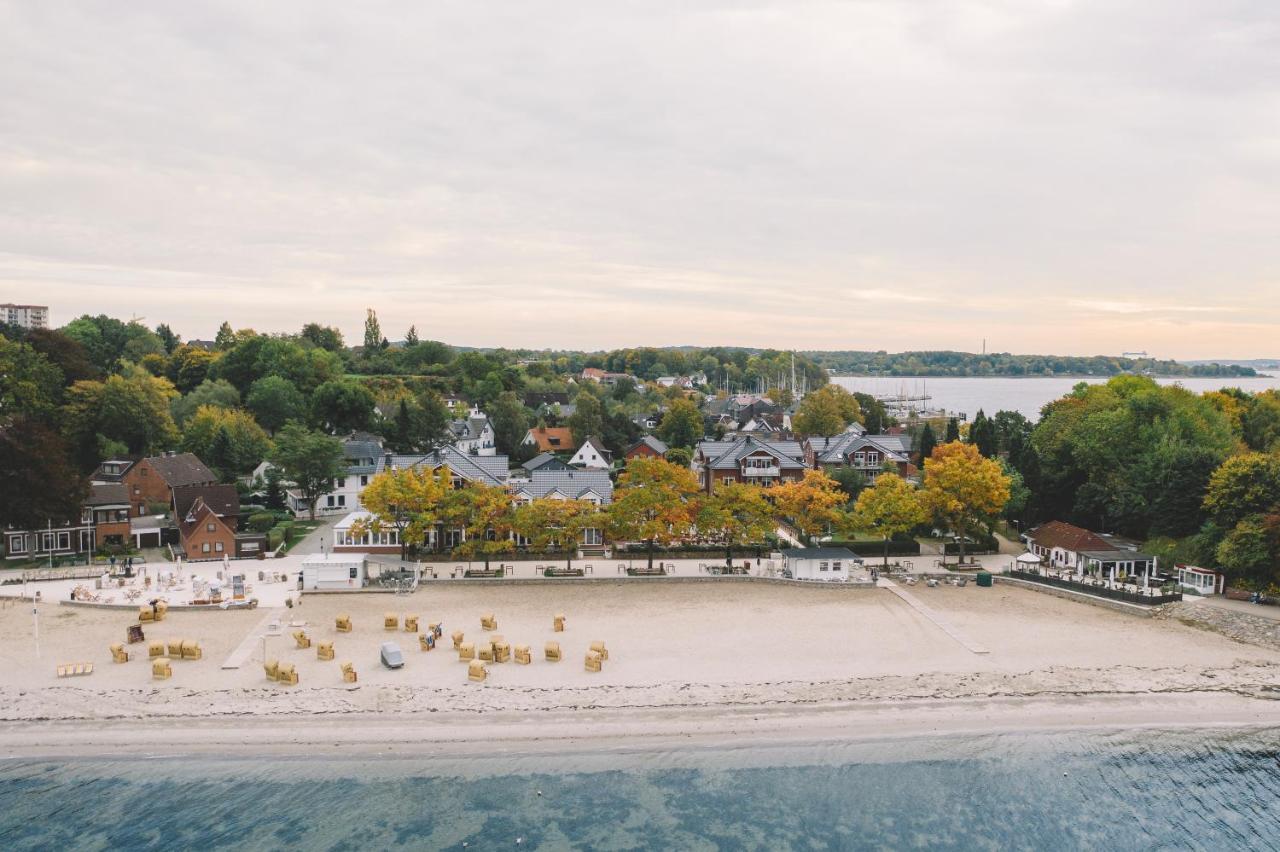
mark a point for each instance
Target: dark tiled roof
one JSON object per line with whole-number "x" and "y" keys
{"x": 107, "y": 494}
{"x": 222, "y": 499}
{"x": 819, "y": 553}
{"x": 548, "y": 460}
{"x": 1070, "y": 538}
{"x": 569, "y": 483}
{"x": 182, "y": 469}
{"x": 653, "y": 443}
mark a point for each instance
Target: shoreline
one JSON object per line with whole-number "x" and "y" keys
{"x": 612, "y": 734}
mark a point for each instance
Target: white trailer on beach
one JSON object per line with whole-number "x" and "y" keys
{"x": 333, "y": 571}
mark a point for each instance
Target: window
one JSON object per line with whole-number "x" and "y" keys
{"x": 340, "y": 482}
{"x": 364, "y": 479}
{"x": 210, "y": 527}
{"x": 353, "y": 572}
{"x": 822, "y": 566}
{"x": 218, "y": 546}
{"x": 249, "y": 547}
{"x": 205, "y": 547}
{"x": 136, "y": 491}
{"x": 342, "y": 500}
{"x": 591, "y": 535}
{"x": 835, "y": 566}
{"x": 17, "y": 544}
{"x": 47, "y": 541}
{"x": 64, "y": 541}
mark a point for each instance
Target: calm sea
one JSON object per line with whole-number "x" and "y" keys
{"x": 967, "y": 395}
{"x": 1155, "y": 790}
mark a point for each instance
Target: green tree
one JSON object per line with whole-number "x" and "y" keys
{"x": 890, "y": 506}
{"x": 229, "y": 440}
{"x": 411, "y": 336}
{"x": 1250, "y": 550}
{"x": 39, "y": 482}
{"x": 510, "y": 422}
{"x": 682, "y": 425}
{"x": 928, "y": 441}
{"x": 274, "y": 401}
{"x": 827, "y": 411}
{"x": 1244, "y": 485}
{"x": 131, "y": 408}
{"x": 219, "y": 394}
{"x": 851, "y": 481}
{"x": 953, "y": 430}
{"x": 372, "y": 332}
{"x": 29, "y": 383}
{"x": 982, "y": 434}
{"x": 587, "y": 418}
{"x": 311, "y": 460}
{"x": 736, "y": 515}
{"x": 342, "y": 406}
{"x": 225, "y": 338}
{"x": 681, "y": 456}
{"x": 323, "y": 336}
{"x": 168, "y": 338}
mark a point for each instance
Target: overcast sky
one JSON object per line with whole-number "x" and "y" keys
{"x": 1066, "y": 177}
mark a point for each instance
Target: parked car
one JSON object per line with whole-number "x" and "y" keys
{"x": 392, "y": 656}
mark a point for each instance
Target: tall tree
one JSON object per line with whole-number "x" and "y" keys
{"x": 411, "y": 336}
{"x": 168, "y": 338}
{"x": 274, "y": 401}
{"x": 131, "y": 408}
{"x": 342, "y": 406}
{"x": 812, "y": 503}
{"x": 587, "y": 418}
{"x": 928, "y": 440}
{"x": 656, "y": 502}
{"x": 220, "y": 394}
{"x": 228, "y": 440}
{"x": 38, "y": 483}
{"x": 827, "y": 411}
{"x": 953, "y": 430}
{"x": 982, "y": 434}
{"x": 412, "y": 501}
{"x": 312, "y": 460}
{"x": 510, "y": 422}
{"x": 736, "y": 515}
{"x": 962, "y": 489}
{"x": 1244, "y": 485}
{"x": 372, "y": 332}
{"x": 682, "y": 425}
{"x": 323, "y": 336}
{"x": 890, "y": 506}
{"x": 225, "y": 338}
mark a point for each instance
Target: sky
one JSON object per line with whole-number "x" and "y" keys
{"x": 1050, "y": 177}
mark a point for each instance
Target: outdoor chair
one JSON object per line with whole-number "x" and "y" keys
{"x": 426, "y": 641}
{"x": 522, "y": 655}
{"x": 348, "y": 673}
{"x": 594, "y": 661}
{"x": 599, "y": 648}
{"x": 287, "y": 674}
{"x": 324, "y": 651}
{"x": 155, "y": 649}
{"x": 191, "y": 650}
{"x": 485, "y": 652}
{"x": 272, "y": 668}
{"x": 390, "y": 621}
{"x": 457, "y": 639}
{"x": 557, "y": 624}
{"x": 146, "y": 613}
{"x": 75, "y": 669}
{"x": 343, "y": 623}
{"x": 411, "y": 624}
{"x": 301, "y": 637}
{"x": 552, "y": 652}
{"x": 175, "y": 648}
{"x": 119, "y": 654}
{"x": 466, "y": 651}
{"x": 501, "y": 652}
{"x": 488, "y": 622}
{"x": 476, "y": 671}
{"x": 160, "y": 669}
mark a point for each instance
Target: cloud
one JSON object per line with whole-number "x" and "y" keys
{"x": 880, "y": 175}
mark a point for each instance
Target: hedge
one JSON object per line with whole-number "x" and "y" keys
{"x": 875, "y": 547}
{"x": 275, "y": 538}
{"x": 983, "y": 544}
{"x": 261, "y": 521}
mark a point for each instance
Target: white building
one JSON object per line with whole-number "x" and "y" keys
{"x": 819, "y": 563}
{"x": 592, "y": 456}
{"x": 333, "y": 571}
{"x": 1201, "y": 581}
{"x": 27, "y": 316}
{"x": 474, "y": 434}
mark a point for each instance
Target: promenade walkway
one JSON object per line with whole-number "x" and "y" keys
{"x": 934, "y": 616}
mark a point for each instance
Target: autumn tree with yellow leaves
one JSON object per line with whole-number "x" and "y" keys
{"x": 962, "y": 489}
{"x": 411, "y": 501}
{"x": 889, "y": 507}
{"x": 656, "y": 502}
{"x": 735, "y": 515}
{"x": 812, "y": 503}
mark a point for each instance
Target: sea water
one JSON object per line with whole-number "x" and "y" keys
{"x": 1125, "y": 791}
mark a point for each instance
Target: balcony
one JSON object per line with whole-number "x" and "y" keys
{"x": 771, "y": 470}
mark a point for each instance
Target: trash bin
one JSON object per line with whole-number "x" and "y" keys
{"x": 984, "y": 578}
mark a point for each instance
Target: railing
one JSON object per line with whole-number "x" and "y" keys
{"x": 772, "y": 470}
{"x": 1099, "y": 588}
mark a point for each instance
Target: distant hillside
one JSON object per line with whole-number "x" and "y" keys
{"x": 1004, "y": 364}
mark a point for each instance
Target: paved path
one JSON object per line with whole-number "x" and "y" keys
{"x": 252, "y": 640}
{"x": 1242, "y": 607}
{"x": 933, "y": 615}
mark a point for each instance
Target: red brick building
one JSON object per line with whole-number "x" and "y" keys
{"x": 152, "y": 480}
{"x": 647, "y": 447}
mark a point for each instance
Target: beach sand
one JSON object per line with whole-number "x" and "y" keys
{"x": 686, "y": 660}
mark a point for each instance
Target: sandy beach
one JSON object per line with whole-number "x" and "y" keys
{"x": 700, "y": 661}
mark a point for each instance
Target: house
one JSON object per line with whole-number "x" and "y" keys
{"x": 593, "y": 486}
{"x": 832, "y": 564}
{"x": 103, "y": 521}
{"x": 647, "y": 447}
{"x": 747, "y": 412}
{"x": 151, "y": 481}
{"x": 1100, "y": 555}
{"x": 595, "y": 374}
{"x": 347, "y": 539}
{"x": 751, "y": 460}
{"x": 332, "y": 572}
{"x": 869, "y": 454}
{"x": 474, "y": 434}
{"x": 26, "y": 316}
{"x": 208, "y": 518}
{"x": 361, "y": 452}
{"x": 1201, "y": 581}
{"x": 111, "y": 470}
{"x": 549, "y": 439}
{"x": 592, "y": 454}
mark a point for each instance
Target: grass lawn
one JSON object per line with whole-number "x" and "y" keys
{"x": 301, "y": 529}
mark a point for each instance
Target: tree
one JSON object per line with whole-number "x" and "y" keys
{"x": 372, "y": 332}
{"x": 962, "y": 489}
{"x": 168, "y": 338}
{"x": 1261, "y": 421}
{"x": 928, "y": 440}
{"x": 342, "y": 406}
{"x": 312, "y": 460}
{"x": 29, "y": 382}
{"x": 681, "y": 456}
{"x": 587, "y": 418}
{"x": 219, "y": 394}
{"x": 226, "y": 337}
{"x": 953, "y": 430}
{"x": 487, "y": 514}
{"x": 827, "y": 411}
{"x": 63, "y": 352}
{"x": 188, "y": 366}
{"x": 510, "y": 422}
{"x": 1250, "y": 551}
{"x": 982, "y": 434}
{"x": 412, "y": 501}
{"x": 323, "y": 336}
{"x": 548, "y": 523}
{"x": 812, "y": 503}
{"x": 656, "y": 502}
{"x": 1244, "y": 485}
{"x": 131, "y": 408}
{"x": 736, "y": 515}
{"x": 681, "y": 426}
{"x": 274, "y": 497}
{"x": 229, "y": 440}
{"x": 274, "y": 401}
{"x": 851, "y": 481}
{"x": 411, "y": 336}
{"x": 38, "y": 483}
{"x": 890, "y": 506}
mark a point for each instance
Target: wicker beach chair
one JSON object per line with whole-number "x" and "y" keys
{"x": 552, "y": 652}
{"x": 301, "y": 637}
{"x": 287, "y": 674}
{"x": 160, "y": 669}
{"x": 390, "y": 621}
{"x": 594, "y": 662}
{"x": 162, "y": 609}
{"x": 191, "y": 650}
{"x": 119, "y": 654}
{"x": 146, "y": 613}
{"x": 457, "y": 639}
{"x": 501, "y": 652}
{"x": 411, "y": 624}
{"x": 155, "y": 649}
{"x": 426, "y": 641}
{"x": 435, "y": 629}
{"x": 485, "y": 652}
{"x": 557, "y": 623}
{"x": 343, "y": 623}
{"x": 476, "y": 671}
{"x": 348, "y": 673}
{"x": 324, "y": 651}
{"x": 488, "y": 622}
{"x": 466, "y": 651}
{"x": 599, "y": 648}
{"x": 272, "y": 668}
{"x": 522, "y": 655}
{"x": 75, "y": 669}
{"x": 174, "y": 648}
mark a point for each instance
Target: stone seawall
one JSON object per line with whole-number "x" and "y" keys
{"x": 1253, "y": 629}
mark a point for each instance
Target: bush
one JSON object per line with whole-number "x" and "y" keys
{"x": 275, "y": 538}
{"x": 980, "y": 544}
{"x": 875, "y": 547}
{"x": 261, "y": 521}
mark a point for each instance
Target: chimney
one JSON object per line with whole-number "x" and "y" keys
{"x": 388, "y": 461}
